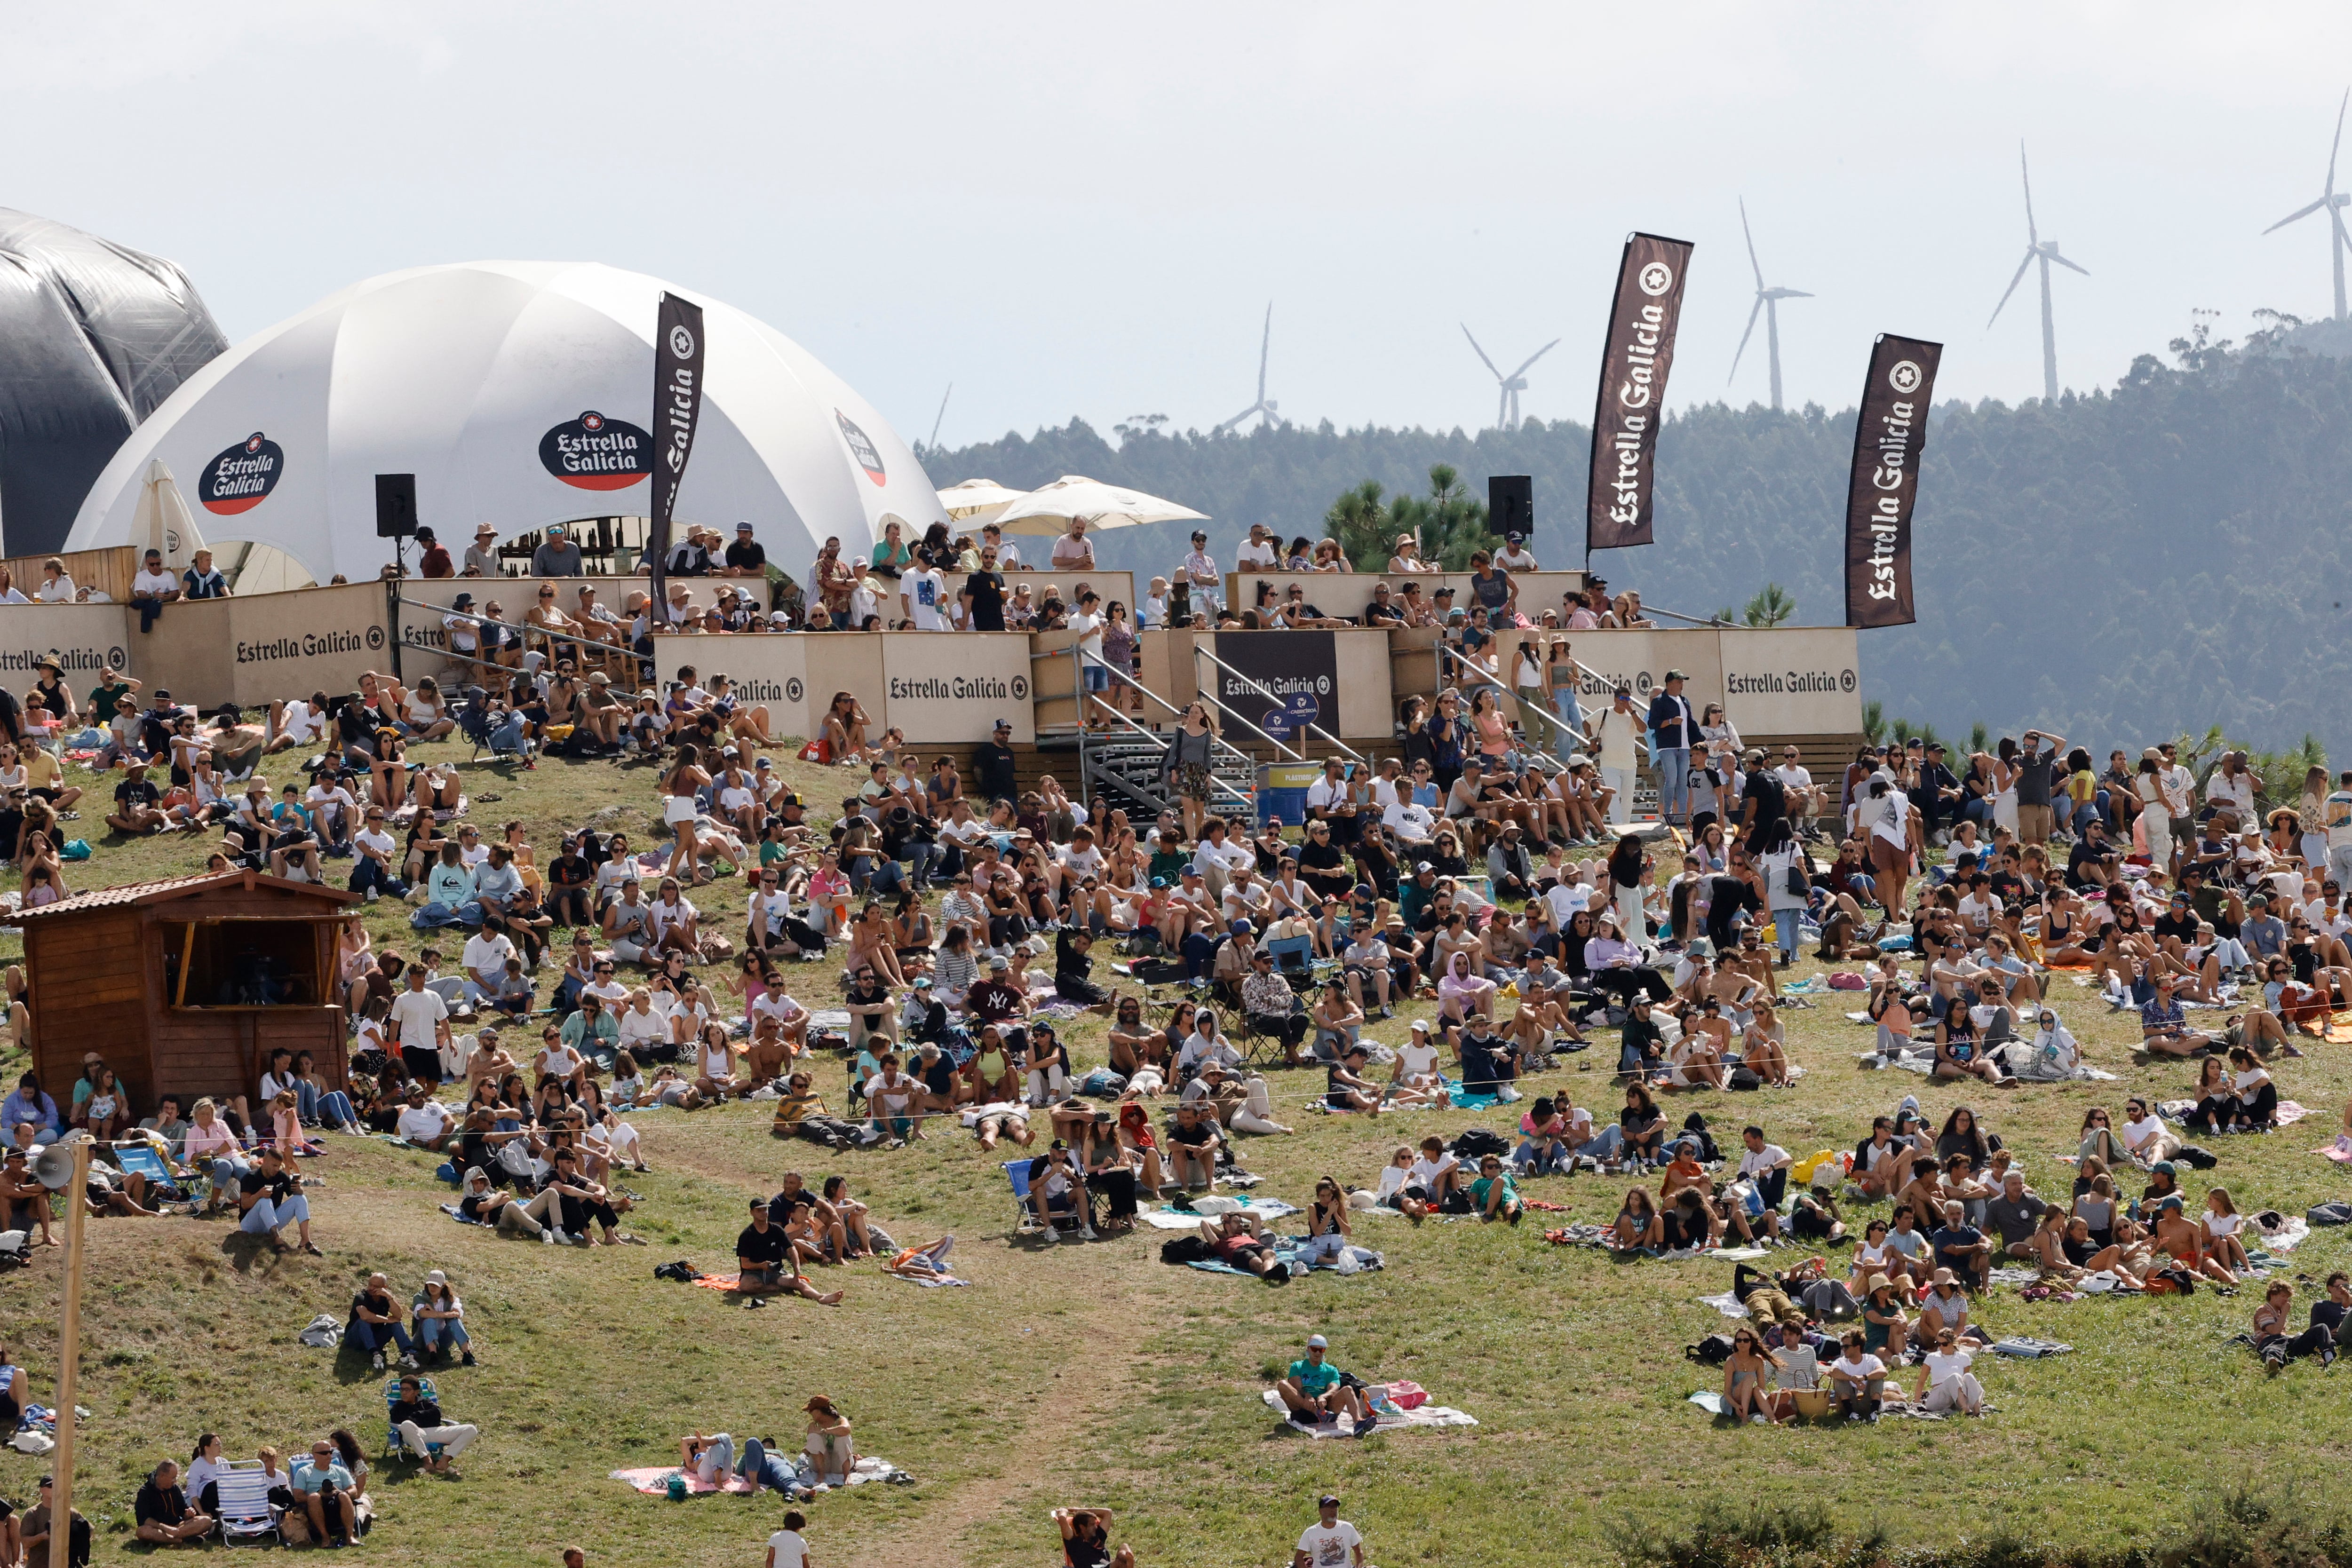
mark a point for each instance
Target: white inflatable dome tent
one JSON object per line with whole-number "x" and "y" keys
{"x": 520, "y": 394}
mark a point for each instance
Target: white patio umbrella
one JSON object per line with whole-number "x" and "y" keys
{"x": 977, "y": 500}
{"x": 162, "y": 522}
{"x": 1049, "y": 509}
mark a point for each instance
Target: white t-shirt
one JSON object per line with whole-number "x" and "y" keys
{"x": 788, "y": 1549}
{"x": 1979, "y": 914}
{"x": 1793, "y": 776}
{"x": 1266, "y": 554}
{"x": 1565, "y": 899}
{"x": 1756, "y": 1162}
{"x": 1616, "y": 731}
{"x": 1419, "y": 1060}
{"x": 1428, "y": 1173}
{"x": 1082, "y": 864}
{"x": 1861, "y": 1371}
{"x": 418, "y": 1013}
{"x": 486, "y": 953}
{"x": 2141, "y": 1135}
{"x": 926, "y": 592}
{"x": 1944, "y": 1366}
{"x": 382, "y": 843}
{"x": 636, "y": 1028}
{"x": 1089, "y": 631}
{"x": 1330, "y": 1546}
{"x": 668, "y": 914}
{"x": 153, "y": 582}
{"x": 1887, "y": 816}
{"x": 421, "y": 1123}
{"x": 302, "y": 722}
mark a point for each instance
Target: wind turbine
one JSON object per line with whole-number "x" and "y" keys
{"x": 1265, "y": 408}
{"x": 2338, "y": 240}
{"x": 1768, "y": 300}
{"x": 934, "y": 442}
{"x": 2045, "y": 251}
{"x": 1506, "y": 406}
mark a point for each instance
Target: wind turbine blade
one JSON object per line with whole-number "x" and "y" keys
{"x": 2298, "y": 213}
{"x": 2062, "y": 261}
{"x": 1481, "y": 352}
{"x": 2339, "y": 145}
{"x": 943, "y": 414}
{"x": 1531, "y": 359}
{"x": 1752, "y": 314}
{"x": 1793, "y": 294}
{"x": 1751, "y": 242}
{"x": 2012, "y": 287}
{"x": 2032, "y": 235}
{"x": 1263, "y": 344}
{"x": 2343, "y": 236}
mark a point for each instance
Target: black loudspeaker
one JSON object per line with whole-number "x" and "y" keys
{"x": 395, "y": 505}
{"x": 1511, "y": 503}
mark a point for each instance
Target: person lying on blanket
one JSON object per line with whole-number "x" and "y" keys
{"x": 1233, "y": 1239}
{"x": 1315, "y": 1390}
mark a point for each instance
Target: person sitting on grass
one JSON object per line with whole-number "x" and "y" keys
{"x": 1192, "y": 1146}
{"x": 422, "y": 1429}
{"x": 1856, "y": 1379}
{"x": 1314, "y": 1391}
{"x": 271, "y": 1197}
{"x": 440, "y": 1318}
{"x": 375, "y": 1323}
{"x": 165, "y": 1516}
{"x": 1233, "y": 1239}
{"x": 1492, "y": 1196}
{"x": 1346, "y": 1088}
{"x": 1745, "y": 1395}
{"x": 764, "y": 1257}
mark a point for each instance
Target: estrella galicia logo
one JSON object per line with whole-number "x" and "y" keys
{"x": 117, "y": 659}
{"x": 1905, "y": 377}
{"x": 241, "y": 478}
{"x": 1641, "y": 683}
{"x": 794, "y": 690}
{"x": 1845, "y": 680}
{"x": 1654, "y": 278}
{"x": 597, "y": 452}
{"x": 1021, "y": 688}
{"x": 862, "y": 449}
{"x": 375, "y": 638}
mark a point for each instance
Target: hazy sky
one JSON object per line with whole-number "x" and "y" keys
{"x": 1085, "y": 209}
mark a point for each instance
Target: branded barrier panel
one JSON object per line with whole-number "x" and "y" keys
{"x": 85, "y": 638}
{"x": 952, "y": 688}
{"x": 1282, "y": 681}
{"x": 770, "y": 671}
{"x": 1164, "y": 663}
{"x": 303, "y": 641}
{"x": 1798, "y": 681}
{"x": 1054, "y": 683}
{"x": 191, "y": 642}
{"x": 1345, "y": 594}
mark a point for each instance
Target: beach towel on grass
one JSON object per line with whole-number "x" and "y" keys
{"x": 1366, "y": 1259}
{"x": 451, "y": 1210}
{"x": 1391, "y": 1419}
{"x": 653, "y": 1481}
{"x": 1165, "y": 1219}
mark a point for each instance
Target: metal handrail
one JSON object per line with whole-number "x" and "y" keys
{"x": 1542, "y": 758}
{"x": 1199, "y": 653}
{"x": 515, "y": 626}
{"x": 1079, "y": 655}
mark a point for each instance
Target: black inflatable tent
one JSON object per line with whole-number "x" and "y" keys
{"x": 93, "y": 336}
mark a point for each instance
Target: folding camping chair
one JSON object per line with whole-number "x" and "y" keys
{"x": 1293, "y": 960}
{"x": 242, "y": 1489}
{"x": 1025, "y": 1215}
{"x": 393, "y": 1448}
{"x": 141, "y": 1160}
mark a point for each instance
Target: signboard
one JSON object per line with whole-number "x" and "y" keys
{"x": 950, "y": 688}
{"x": 770, "y": 669}
{"x": 303, "y": 641}
{"x": 85, "y": 638}
{"x": 1800, "y": 681}
{"x": 1269, "y": 669}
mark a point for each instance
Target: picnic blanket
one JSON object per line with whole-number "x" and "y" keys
{"x": 653, "y": 1481}
{"x": 1389, "y": 1419}
{"x": 1166, "y": 1219}
{"x": 1727, "y": 1303}
{"x": 2340, "y": 1151}
{"x": 451, "y": 1210}
{"x": 1365, "y": 1261}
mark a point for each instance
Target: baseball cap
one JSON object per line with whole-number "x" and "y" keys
{"x": 1243, "y": 928}
{"x": 1003, "y": 724}
{"x": 1316, "y": 1342}
{"x": 742, "y": 528}
{"x": 1673, "y": 676}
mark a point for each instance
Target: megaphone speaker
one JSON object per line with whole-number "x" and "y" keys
{"x": 53, "y": 1167}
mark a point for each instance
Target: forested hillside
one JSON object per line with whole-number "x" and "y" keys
{"x": 2159, "y": 557}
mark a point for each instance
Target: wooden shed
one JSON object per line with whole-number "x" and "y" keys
{"x": 185, "y": 986}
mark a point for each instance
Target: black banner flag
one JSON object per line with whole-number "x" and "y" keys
{"x": 1887, "y": 443}
{"x": 677, "y": 404}
{"x": 1633, "y": 364}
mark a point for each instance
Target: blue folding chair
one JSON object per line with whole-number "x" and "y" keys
{"x": 1017, "y": 1172}
{"x": 141, "y": 1160}
{"x": 394, "y": 1447}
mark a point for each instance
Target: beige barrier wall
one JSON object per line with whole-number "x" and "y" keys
{"x": 192, "y": 642}
{"x": 770, "y": 671}
{"x": 1346, "y": 593}
{"x": 1109, "y": 585}
{"x": 1054, "y": 683}
{"x": 1412, "y": 663}
{"x": 1366, "y": 709}
{"x": 86, "y": 639}
{"x": 1793, "y": 680}
{"x": 1164, "y": 661}
{"x": 947, "y": 689}
{"x": 302, "y": 640}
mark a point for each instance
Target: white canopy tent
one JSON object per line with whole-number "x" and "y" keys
{"x": 1049, "y": 509}
{"x": 520, "y": 394}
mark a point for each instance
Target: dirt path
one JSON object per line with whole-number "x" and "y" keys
{"x": 1033, "y": 1479}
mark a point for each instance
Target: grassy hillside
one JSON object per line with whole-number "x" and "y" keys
{"x": 2193, "y": 515}
{"x": 1094, "y": 1373}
